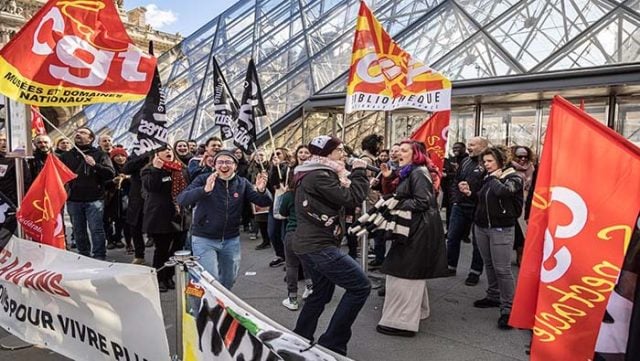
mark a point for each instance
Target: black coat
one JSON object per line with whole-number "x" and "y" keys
{"x": 132, "y": 167}
{"x": 160, "y": 211}
{"x": 320, "y": 202}
{"x": 89, "y": 185}
{"x": 8, "y": 185}
{"x": 499, "y": 200}
{"x": 423, "y": 255}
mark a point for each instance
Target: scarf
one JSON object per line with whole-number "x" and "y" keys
{"x": 179, "y": 183}
{"x": 526, "y": 172}
{"x": 337, "y": 167}
{"x": 383, "y": 217}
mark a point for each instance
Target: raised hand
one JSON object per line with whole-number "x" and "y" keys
{"x": 261, "y": 181}
{"x": 211, "y": 182}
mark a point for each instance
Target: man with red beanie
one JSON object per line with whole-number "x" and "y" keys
{"x": 323, "y": 189}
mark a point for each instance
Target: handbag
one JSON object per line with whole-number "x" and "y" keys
{"x": 277, "y": 199}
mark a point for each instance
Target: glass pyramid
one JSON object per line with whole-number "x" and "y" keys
{"x": 302, "y": 48}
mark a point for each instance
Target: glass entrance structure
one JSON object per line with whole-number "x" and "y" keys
{"x": 507, "y": 58}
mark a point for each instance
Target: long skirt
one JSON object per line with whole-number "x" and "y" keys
{"x": 406, "y": 302}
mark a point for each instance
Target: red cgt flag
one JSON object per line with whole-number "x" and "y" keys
{"x": 74, "y": 53}
{"x": 37, "y": 125}
{"x": 433, "y": 133}
{"x": 586, "y": 199}
{"x": 40, "y": 212}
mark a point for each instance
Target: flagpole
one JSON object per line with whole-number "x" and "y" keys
{"x": 273, "y": 145}
{"x": 73, "y": 144}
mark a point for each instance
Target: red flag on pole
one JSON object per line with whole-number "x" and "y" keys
{"x": 74, "y": 53}
{"x": 37, "y": 124}
{"x": 433, "y": 133}
{"x": 586, "y": 199}
{"x": 39, "y": 213}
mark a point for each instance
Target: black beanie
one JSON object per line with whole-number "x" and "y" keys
{"x": 323, "y": 145}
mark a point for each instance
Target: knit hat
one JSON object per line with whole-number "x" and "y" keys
{"x": 227, "y": 153}
{"x": 118, "y": 151}
{"x": 323, "y": 145}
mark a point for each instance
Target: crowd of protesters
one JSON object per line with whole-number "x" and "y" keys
{"x": 302, "y": 204}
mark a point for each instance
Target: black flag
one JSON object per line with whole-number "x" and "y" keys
{"x": 251, "y": 106}
{"x": 224, "y": 104}
{"x": 149, "y": 123}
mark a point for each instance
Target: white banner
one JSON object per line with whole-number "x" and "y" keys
{"x": 217, "y": 325}
{"x": 79, "y": 307}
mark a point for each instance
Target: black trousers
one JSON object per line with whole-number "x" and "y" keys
{"x": 138, "y": 240}
{"x": 166, "y": 245}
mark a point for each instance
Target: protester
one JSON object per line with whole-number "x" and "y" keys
{"x": 243, "y": 171}
{"x": 258, "y": 165}
{"x": 471, "y": 172}
{"x": 135, "y": 209}
{"x": 106, "y": 143}
{"x": 116, "y": 202}
{"x": 522, "y": 162}
{"x": 419, "y": 255}
{"x": 85, "y": 202}
{"x": 62, "y": 145}
{"x": 383, "y": 157}
{"x": 193, "y": 146}
{"x": 218, "y": 198}
{"x": 449, "y": 172}
{"x": 292, "y": 262}
{"x": 500, "y": 203}
{"x": 182, "y": 151}
{"x": 324, "y": 189}
{"x": 278, "y": 172}
{"x": 204, "y": 164}
{"x": 162, "y": 180}
{"x": 371, "y": 148}
{"x": 42, "y": 148}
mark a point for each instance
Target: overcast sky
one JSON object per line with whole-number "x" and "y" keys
{"x": 183, "y": 16}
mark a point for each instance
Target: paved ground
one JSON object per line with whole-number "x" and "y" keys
{"x": 455, "y": 330}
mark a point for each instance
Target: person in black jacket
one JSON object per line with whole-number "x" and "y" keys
{"x": 42, "y": 148}
{"x": 499, "y": 205}
{"x": 218, "y": 198}
{"x": 85, "y": 202}
{"x": 115, "y": 203}
{"x": 324, "y": 190}
{"x": 162, "y": 180}
{"x": 463, "y": 207}
{"x": 421, "y": 256}
{"x": 135, "y": 211}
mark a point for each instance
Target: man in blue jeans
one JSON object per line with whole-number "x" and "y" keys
{"x": 471, "y": 172}
{"x": 219, "y": 199}
{"x": 86, "y": 193}
{"x": 324, "y": 188}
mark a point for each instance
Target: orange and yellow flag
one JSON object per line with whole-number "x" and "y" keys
{"x": 385, "y": 77}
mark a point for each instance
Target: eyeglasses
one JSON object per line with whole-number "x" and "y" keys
{"x": 225, "y": 162}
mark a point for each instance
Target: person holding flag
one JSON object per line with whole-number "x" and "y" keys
{"x": 42, "y": 149}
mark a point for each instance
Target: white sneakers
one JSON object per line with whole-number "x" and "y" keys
{"x": 291, "y": 303}
{"x": 308, "y": 290}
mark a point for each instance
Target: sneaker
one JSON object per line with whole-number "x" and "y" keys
{"x": 262, "y": 246}
{"x": 382, "y": 291}
{"x": 503, "y": 322}
{"x": 139, "y": 261}
{"x": 253, "y": 237}
{"x": 276, "y": 262}
{"x": 291, "y": 303}
{"x": 308, "y": 290}
{"x": 450, "y": 273}
{"x": 486, "y": 303}
{"x": 111, "y": 245}
{"x": 119, "y": 244}
{"x": 472, "y": 279}
{"x": 150, "y": 243}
